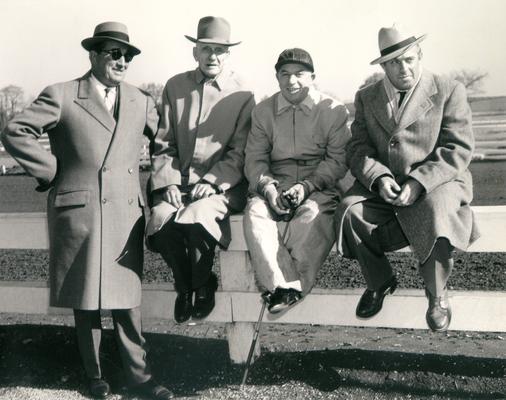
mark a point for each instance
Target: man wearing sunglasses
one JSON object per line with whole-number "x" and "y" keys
{"x": 95, "y": 126}
{"x": 197, "y": 163}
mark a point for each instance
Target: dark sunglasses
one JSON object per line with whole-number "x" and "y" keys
{"x": 116, "y": 54}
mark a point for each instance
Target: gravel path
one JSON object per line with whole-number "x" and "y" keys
{"x": 39, "y": 361}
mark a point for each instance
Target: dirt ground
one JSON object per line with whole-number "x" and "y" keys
{"x": 39, "y": 360}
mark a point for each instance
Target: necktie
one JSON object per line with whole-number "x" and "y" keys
{"x": 402, "y": 94}
{"x": 108, "y": 100}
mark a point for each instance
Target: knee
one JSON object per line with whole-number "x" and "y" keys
{"x": 164, "y": 239}
{"x": 196, "y": 233}
{"x": 256, "y": 210}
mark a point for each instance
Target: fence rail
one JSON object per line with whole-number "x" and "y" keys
{"x": 238, "y": 302}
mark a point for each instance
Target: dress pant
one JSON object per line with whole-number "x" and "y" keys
{"x": 127, "y": 331}
{"x": 189, "y": 250}
{"x": 371, "y": 228}
{"x": 289, "y": 255}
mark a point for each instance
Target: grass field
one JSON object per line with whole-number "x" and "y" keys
{"x": 18, "y": 194}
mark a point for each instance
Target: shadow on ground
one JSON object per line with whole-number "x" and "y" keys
{"x": 46, "y": 357}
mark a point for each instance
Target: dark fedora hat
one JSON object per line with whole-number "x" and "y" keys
{"x": 213, "y": 30}
{"x": 109, "y": 31}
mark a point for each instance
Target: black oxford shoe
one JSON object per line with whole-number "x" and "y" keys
{"x": 283, "y": 299}
{"x": 99, "y": 389}
{"x": 439, "y": 313}
{"x": 204, "y": 298}
{"x": 183, "y": 307}
{"x": 153, "y": 390}
{"x": 372, "y": 300}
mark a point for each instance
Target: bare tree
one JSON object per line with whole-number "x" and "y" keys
{"x": 155, "y": 90}
{"x": 12, "y": 101}
{"x": 472, "y": 79}
{"x": 377, "y": 76}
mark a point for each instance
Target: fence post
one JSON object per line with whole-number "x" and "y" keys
{"x": 237, "y": 276}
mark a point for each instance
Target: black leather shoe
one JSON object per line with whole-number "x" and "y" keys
{"x": 439, "y": 313}
{"x": 283, "y": 299}
{"x": 372, "y": 300}
{"x": 153, "y": 390}
{"x": 204, "y": 298}
{"x": 183, "y": 307}
{"x": 99, "y": 389}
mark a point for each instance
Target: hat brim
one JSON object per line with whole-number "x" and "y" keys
{"x": 398, "y": 52}
{"x": 90, "y": 42}
{"x": 211, "y": 40}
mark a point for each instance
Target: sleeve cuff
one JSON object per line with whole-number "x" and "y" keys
{"x": 262, "y": 184}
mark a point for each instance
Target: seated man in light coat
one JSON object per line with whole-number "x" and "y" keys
{"x": 197, "y": 167}
{"x": 411, "y": 146}
{"x": 295, "y": 156}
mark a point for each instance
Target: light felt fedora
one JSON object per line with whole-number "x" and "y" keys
{"x": 110, "y": 31}
{"x": 393, "y": 42}
{"x": 213, "y": 30}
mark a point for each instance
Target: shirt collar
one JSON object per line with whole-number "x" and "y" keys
{"x": 100, "y": 86}
{"x": 305, "y": 105}
{"x": 218, "y": 81}
{"x": 393, "y": 92}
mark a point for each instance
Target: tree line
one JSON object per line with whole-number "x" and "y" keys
{"x": 13, "y": 99}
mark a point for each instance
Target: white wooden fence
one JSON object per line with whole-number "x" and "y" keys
{"x": 238, "y": 302}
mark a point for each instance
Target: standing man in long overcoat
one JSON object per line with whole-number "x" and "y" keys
{"x": 96, "y": 125}
{"x": 197, "y": 175}
{"x": 411, "y": 146}
{"x": 295, "y": 156}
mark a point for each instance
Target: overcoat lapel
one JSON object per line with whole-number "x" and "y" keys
{"x": 420, "y": 101}
{"x": 90, "y": 101}
{"x": 379, "y": 105}
{"x": 127, "y": 109}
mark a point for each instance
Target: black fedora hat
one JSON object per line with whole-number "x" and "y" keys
{"x": 213, "y": 30}
{"x": 110, "y": 31}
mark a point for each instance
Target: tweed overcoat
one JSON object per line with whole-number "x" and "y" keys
{"x": 433, "y": 143}
{"x": 94, "y": 206}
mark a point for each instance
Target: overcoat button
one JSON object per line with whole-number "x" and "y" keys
{"x": 130, "y": 170}
{"x": 104, "y": 169}
{"x": 104, "y": 201}
{"x": 130, "y": 201}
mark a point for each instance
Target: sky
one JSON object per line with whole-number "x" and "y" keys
{"x": 40, "y": 39}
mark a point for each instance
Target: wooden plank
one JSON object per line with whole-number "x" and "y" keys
{"x": 491, "y": 221}
{"x": 157, "y": 301}
{"x": 29, "y": 230}
{"x": 23, "y": 231}
{"x": 472, "y": 310}
{"x": 492, "y": 225}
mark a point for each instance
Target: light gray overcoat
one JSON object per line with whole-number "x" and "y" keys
{"x": 95, "y": 214}
{"x": 203, "y": 130}
{"x": 432, "y": 143}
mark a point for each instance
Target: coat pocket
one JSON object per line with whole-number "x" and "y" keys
{"x": 72, "y": 198}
